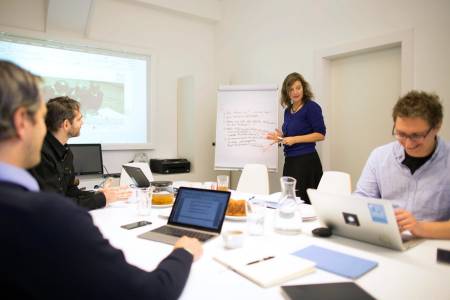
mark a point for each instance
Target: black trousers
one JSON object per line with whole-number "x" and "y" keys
{"x": 306, "y": 169}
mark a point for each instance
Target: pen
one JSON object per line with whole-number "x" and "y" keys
{"x": 260, "y": 260}
{"x": 278, "y": 141}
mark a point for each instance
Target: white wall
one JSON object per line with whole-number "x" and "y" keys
{"x": 364, "y": 88}
{"x": 261, "y": 41}
{"x": 183, "y": 46}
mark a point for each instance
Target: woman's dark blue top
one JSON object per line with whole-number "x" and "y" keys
{"x": 308, "y": 119}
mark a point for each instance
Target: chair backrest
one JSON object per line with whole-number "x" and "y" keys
{"x": 336, "y": 183}
{"x": 254, "y": 179}
{"x": 125, "y": 180}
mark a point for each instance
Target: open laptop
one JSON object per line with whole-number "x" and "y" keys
{"x": 365, "y": 219}
{"x": 197, "y": 213}
{"x": 137, "y": 175}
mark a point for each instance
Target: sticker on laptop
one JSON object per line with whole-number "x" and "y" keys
{"x": 350, "y": 219}
{"x": 377, "y": 213}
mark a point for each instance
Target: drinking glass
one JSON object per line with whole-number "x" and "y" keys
{"x": 256, "y": 215}
{"x": 144, "y": 201}
{"x": 223, "y": 182}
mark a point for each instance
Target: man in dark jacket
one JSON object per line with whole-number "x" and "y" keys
{"x": 56, "y": 171}
{"x": 50, "y": 247}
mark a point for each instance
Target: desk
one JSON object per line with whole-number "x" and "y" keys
{"x": 89, "y": 181}
{"x": 412, "y": 274}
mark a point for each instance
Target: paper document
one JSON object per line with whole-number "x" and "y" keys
{"x": 265, "y": 269}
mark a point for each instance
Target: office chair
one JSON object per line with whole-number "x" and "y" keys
{"x": 335, "y": 182}
{"x": 254, "y": 179}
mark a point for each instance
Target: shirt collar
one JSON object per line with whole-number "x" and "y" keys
{"x": 60, "y": 149}
{"x": 399, "y": 151}
{"x": 13, "y": 174}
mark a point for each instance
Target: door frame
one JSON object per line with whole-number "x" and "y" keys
{"x": 322, "y": 66}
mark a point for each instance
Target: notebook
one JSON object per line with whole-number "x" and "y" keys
{"x": 329, "y": 291}
{"x": 337, "y": 262}
{"x": 265, "y": 268}
{"x": 360, "y": 218}
{"x": 196, "y": 213}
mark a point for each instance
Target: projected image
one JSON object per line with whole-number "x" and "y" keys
{"x": 112, "y": 87}
{"x": 95, "y": 96}
{"x": 102, "y": 103}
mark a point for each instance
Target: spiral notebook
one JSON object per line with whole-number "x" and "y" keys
{"x": 265, "y": 268}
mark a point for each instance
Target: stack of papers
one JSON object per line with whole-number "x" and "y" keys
{"x": 273, "y": 201}
{"x": 265, "y": 269}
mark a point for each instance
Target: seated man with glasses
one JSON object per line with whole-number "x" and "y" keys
{"x": 413, "y": 171}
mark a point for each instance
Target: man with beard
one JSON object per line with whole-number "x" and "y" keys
{"x": 56, "y": 171}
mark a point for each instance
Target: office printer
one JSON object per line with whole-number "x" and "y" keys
{"x": 170, "y": 166}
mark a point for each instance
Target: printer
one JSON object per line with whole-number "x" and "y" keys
{"x": 170, "y": 166}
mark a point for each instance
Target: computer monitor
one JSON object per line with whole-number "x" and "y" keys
{"x": 87, "y": 158}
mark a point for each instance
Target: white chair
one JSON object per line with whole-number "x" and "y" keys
{"x": 335, "y": 182}
{"x": 125, "y": 180}
{"x": 254, "y": 179}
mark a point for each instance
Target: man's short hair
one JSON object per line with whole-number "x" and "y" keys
{"x": 18, "y": 88}
{"x": 419, "y": 104}
{"x": 60, "y": 109}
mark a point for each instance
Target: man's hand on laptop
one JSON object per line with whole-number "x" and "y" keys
{"x": 405, "y": 220}
{"x": 191, "y": 245}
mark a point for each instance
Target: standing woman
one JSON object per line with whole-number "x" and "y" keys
{"x": 303, "y": 126}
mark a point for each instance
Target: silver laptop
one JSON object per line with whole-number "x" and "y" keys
{"x": 365, "y": 219}
{"x": 197, "y": 213}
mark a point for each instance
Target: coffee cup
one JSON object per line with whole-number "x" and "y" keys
{"x": 233, "y": 239}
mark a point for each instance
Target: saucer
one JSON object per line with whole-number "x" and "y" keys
{"x": 236, "y": 218}
{"x": 162, "y": 205}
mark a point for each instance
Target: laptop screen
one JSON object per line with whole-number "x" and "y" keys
{"x": 199, "y": 208}
{"x": 137, "y": 175}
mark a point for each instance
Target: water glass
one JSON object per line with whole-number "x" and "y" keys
{"x": 144, "y": 201}
{"x": 256, "y": 215}
{"x": 223, "y": 182}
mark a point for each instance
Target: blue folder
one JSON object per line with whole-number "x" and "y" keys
{"x": 337, "y": 262}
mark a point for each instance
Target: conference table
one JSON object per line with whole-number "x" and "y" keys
{"x": 411, "y": 274}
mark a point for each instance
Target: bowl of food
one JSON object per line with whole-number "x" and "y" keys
{"x": 236, "y": 210}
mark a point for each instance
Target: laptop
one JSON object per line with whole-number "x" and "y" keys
{"x": 197, "y": 213}
{"x": 364, "y": 219}
{"x": 137, "y": 175}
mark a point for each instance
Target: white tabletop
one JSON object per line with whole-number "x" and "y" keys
{"x": 412, "y": 274}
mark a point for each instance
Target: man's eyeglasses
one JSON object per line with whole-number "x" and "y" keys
{"x": 415, "y": 137}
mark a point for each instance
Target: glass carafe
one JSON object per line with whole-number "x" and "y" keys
{"x": 288, "y": 218}
{"x": 163, "y": 194}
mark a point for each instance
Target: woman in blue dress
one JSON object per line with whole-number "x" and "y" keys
{"x": 303, "y": 126}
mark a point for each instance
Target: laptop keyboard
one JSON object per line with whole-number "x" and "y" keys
{"x": 181, "y": 232}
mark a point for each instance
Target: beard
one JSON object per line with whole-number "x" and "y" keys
{"x": 74, "y": 132}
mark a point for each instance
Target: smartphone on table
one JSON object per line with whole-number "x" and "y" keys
{"x": 135, "y": 225}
